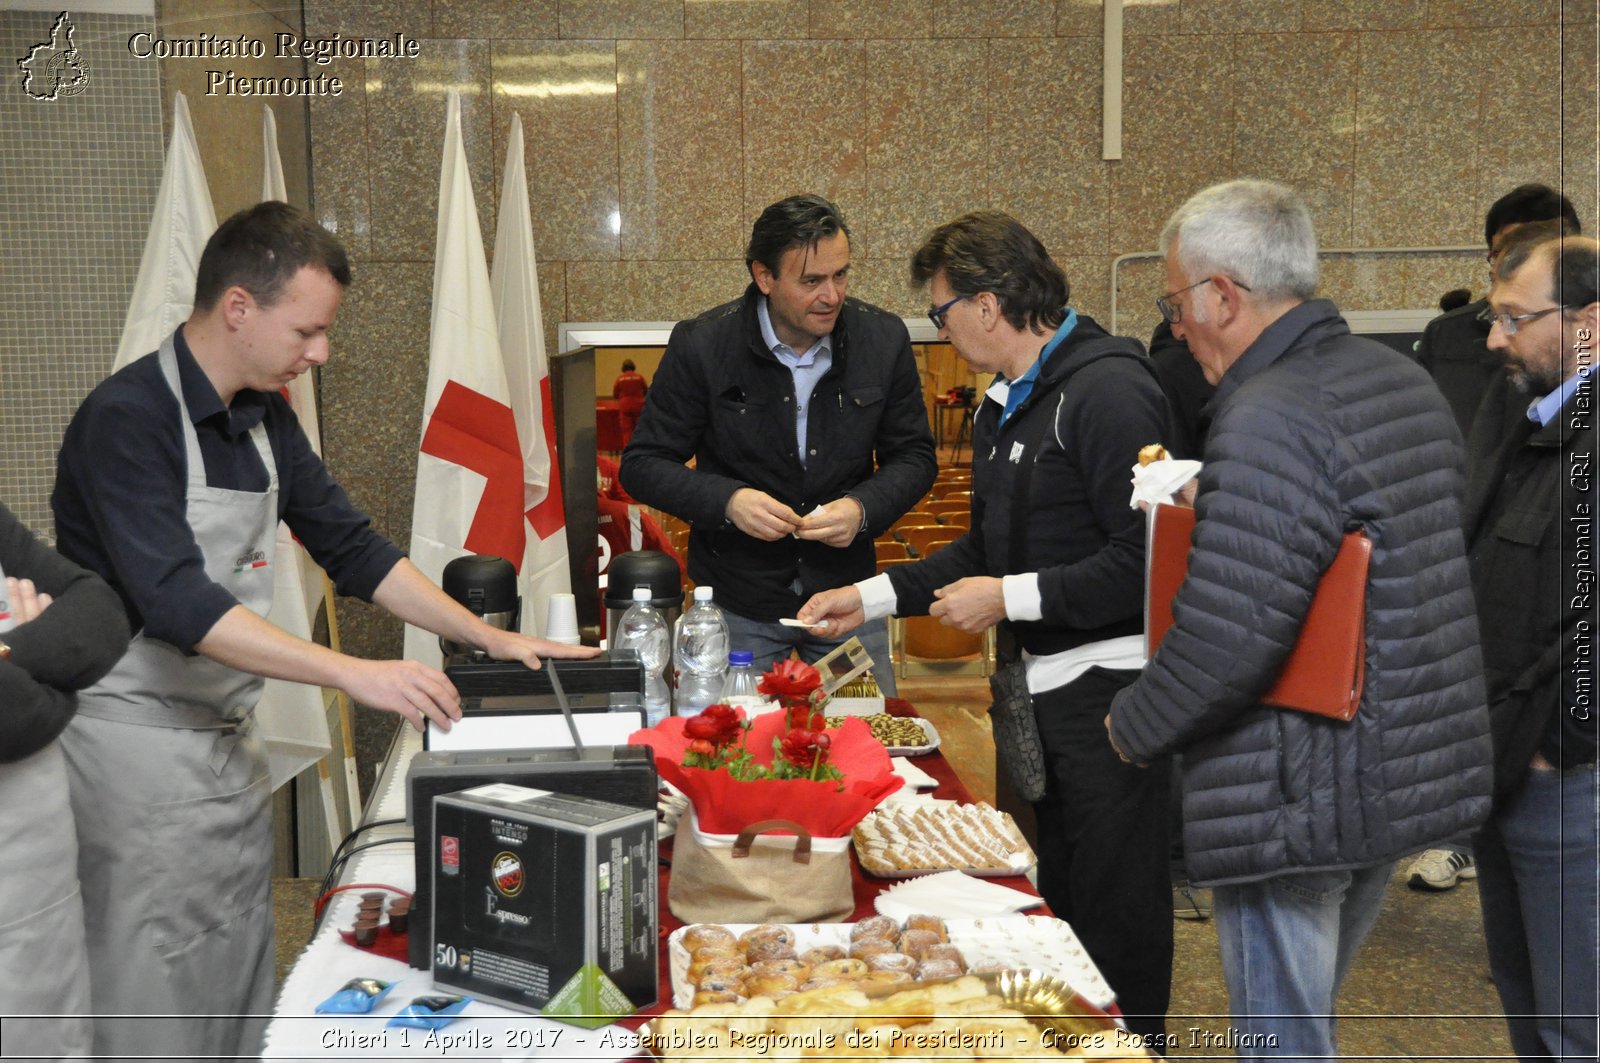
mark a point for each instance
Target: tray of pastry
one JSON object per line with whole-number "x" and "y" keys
{"x": 907, "y": 839}
{"x": 725, "y": 963}
{"x": 1012, "y": 1015}
{"x": 902, "y": 736}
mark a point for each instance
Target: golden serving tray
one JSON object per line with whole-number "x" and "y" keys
{"x": 1047, "y": 1002}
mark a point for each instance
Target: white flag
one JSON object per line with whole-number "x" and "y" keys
{"x": 292, "y": 718}
{"x": 301, "y": 391}
{"x": 272, "y": 183}
{"x": 515, "y": 282}
{"x": 469, "y": 471}
{"x": 182, "y": 222}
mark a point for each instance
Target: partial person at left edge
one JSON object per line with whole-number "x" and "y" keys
{"x": 170, "y": 484}
{"x": 61, "y": 628}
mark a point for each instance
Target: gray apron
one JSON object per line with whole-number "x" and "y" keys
{"x": 171, "y": 795}
{"x": 43, "y": 970}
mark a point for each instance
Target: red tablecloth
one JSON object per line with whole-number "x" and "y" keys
{"x": 950, "y": 788}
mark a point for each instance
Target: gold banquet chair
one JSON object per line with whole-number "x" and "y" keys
{"x": 944, "y": 509}
{"x": 927, "y": 647}
{"x": 910, "y": 517}
{"x": 890, "y": 551}
{"x": 920, "y": 536}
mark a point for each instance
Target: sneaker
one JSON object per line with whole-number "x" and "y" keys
{"x": 1189, "y": 902}
{"x": 1441, "y": 869}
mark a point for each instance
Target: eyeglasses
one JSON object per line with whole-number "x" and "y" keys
{"x": 1171, "y": 312}
{"x": 936, "y": 313}
{"x": 1509, "y": 323}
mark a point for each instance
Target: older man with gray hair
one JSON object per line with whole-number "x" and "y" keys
{"x": 1296, "y": 820}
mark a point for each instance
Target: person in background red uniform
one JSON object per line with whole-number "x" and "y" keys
{"x": 628, "y": 389}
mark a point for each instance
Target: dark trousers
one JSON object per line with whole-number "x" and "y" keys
{"x": 1102, "y": 846}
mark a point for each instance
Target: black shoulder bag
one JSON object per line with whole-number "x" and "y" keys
{"x": 1016, "y": 729}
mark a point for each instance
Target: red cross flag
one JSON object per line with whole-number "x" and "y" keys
{"x": 469, "y": 472}
{"x": 515, "y": 283}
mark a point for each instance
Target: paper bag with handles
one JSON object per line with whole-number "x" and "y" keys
{"x": 759, "y": 877}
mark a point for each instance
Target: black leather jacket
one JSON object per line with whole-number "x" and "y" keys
{"x": 1531, "y": 511}
{"x": 722, "y": 398}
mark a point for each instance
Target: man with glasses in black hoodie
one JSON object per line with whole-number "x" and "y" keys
{"x": 1055, "y": 559}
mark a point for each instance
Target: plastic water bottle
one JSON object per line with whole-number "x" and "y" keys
{"x": 740, "y": 686}
{"x": 644, "y": 629}
{"x": 700, "y": 654}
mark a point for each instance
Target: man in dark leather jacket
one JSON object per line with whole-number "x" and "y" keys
{"x": 802, "y": 410}
{"x": 1454, "y": 349}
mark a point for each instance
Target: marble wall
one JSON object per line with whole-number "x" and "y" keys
{"x": 227, "y": 128}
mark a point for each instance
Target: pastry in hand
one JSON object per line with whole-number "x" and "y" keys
{"x": 1153, "y": 452}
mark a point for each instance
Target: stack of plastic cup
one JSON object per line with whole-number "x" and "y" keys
{"x": 561, "y": 619}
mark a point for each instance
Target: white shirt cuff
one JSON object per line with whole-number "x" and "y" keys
{"x": 1023, "y": 601}
{"x": 877, "y": 596}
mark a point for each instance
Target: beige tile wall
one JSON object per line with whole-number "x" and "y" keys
{"x": 657, "y": 129}
{"x": 227, "y": 129}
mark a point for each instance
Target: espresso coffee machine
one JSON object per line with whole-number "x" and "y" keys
{"x": 502, "y": 704}
{"x": 506, "y": 704}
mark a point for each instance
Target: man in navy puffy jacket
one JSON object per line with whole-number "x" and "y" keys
{"x": 1296, "y": 820}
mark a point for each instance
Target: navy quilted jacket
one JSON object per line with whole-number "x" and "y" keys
{"x": 1317, "y": 432}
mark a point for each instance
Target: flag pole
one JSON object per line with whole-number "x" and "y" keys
{"x": 303, "y": 399}
{"x": 346, "y": 726}
{"x": 330, "y": 807}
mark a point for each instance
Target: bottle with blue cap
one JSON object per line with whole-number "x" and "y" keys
{"x": 740, "y": 687}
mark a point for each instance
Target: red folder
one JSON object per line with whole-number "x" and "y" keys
{"x": 1324, "y": 672}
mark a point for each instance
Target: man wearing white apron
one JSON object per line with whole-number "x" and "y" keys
{"x": 171, "y": 480}
{"x": 44, "y": 656}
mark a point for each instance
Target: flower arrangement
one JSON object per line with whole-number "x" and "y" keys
{"x": 797, "y": 688}
{"x": 717, "y": 741}
{"x": 779, "y": 765}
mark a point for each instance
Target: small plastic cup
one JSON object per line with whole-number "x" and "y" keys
{"x": 561, "y": 619}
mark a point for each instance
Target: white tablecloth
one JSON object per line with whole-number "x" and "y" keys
{"x": 482, "y": 1031}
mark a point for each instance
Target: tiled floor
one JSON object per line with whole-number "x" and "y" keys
{"x": 1418, "y": 990}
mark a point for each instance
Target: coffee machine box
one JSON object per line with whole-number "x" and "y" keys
{"x": 624, "y": 775}
{"x": 545, "y": 902}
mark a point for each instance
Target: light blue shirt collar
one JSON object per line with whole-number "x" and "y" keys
{"x": 1546, "y": 409}
{"x": 785, "y": 353}
{"x": 1022, "y": 387}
